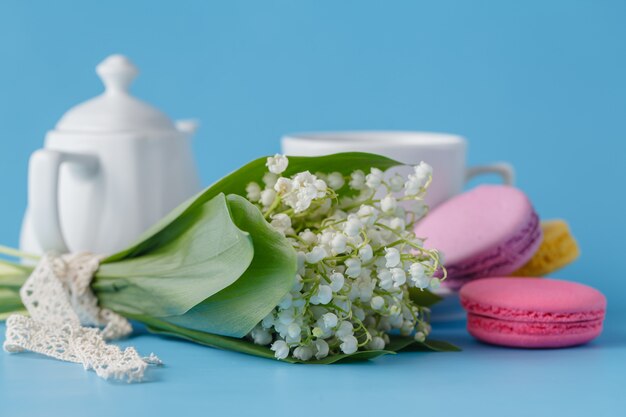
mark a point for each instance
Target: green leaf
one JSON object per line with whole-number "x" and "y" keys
{"x": 208, "y": 253}
{"x": 397, "y": 344}
{"x": 236, "y": 182}
{"x": 437, "y": 346}
{"x": 243, "y": 345}
{"x": 235, "y": 310}
{"x": 423, "y": 298}
{"x": 408, "y": 344}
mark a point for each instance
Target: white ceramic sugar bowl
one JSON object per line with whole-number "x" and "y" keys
{"x": 111, "y": 168}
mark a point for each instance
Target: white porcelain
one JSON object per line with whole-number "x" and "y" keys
{"x": 446, "y": 153}
{"x": 111, "y": 168}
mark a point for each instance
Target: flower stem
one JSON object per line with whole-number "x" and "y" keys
{"x": 5, "y": 250}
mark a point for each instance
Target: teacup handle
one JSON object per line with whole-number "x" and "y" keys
{"x": 43, "y": 193}
{"x": 504, "y": 169}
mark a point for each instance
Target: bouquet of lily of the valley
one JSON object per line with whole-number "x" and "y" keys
{"x": 303, "y": 259}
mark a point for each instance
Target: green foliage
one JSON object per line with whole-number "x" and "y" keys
{"x": 235, "y": 310}
{"x": 207, "y": 254}
{"x": 213, "y": 268}
{"x": 398, "y": 343}
{"x": 423, "y": 298}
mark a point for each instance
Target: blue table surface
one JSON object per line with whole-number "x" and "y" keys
{"x": 481, "y": 380}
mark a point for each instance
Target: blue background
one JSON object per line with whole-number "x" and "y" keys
{"x": 540, "y": 84}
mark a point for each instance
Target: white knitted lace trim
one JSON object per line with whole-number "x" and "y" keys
{"x": 60, "y": 301}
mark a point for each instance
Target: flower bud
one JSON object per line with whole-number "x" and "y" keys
{"x": 267, "y": 197}
{"x": 335, "y": 180}
{"x": 377, "y": 302}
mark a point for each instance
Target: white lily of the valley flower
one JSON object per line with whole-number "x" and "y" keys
{"x": 374, "y": 179}
{"x": 281, "y": 349}
{"x": 337, "y": 280}
{"x": 285, "y": 303}
{"x": 357, "y": 180}
{"x": 377, "y": 302}
{"x": 385, "y": 278}
{"x": 388, "y": 204}
{"x": 293, "y": 330}
{"x": 392, "y": 256}
{"x": 304, "y": 353}
{"x": 416, "y": 182}
{"x": 366, "y": 253}
{"x": 297, "y": 284}
{"x": 353, "y": 267}
{"x": 358, "y": 312}
{"x": 418, "y": 273}
{"x": 367, "y": 214}
{"x": 399, "y": 277}
{"x": 269, "y": 179}
{"x": 349, "y": 345}
{"x": 261, "y": 336}
{"x": 268, "y": 321}
{"x": 326, "y": 237}
{"x": 395, "y": 311}
{"x": 377, "y": 343}
{"x": 350, "y": 284}
{"x": 320, "y": 333}
{"x": 321, "y": 349}
{"x": 317, "y": 254}
{"x": 406, "y": 328}
{"x": 335, "y": 180}
{"x": 420, "y": 281}
{"x": 253, "y": 192}
{"x": 277, "y": 164}
{"x": 283, "y": 186}
{"x": 282, "y": 223}
{"x": 338, "y": 244}
{"x": 329, "y": 320}
{"x": 397, "y": 223}
{"x": 286, "y": 316}
{"x": 396, "y": 183}
{"x": 423, "y": 172}
{"x": 323, "y": 295}
{"x": 352, "y": 227}
{"x": 267, "y": 197}
{"x": 345, "y": 329}
{"x": 435, "y": 283}
{"x": 308, "y": 237}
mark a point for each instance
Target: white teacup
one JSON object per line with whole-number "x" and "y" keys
{"x": 446, "y": 153}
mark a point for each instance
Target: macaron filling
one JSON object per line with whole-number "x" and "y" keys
{"x": 511, "y": 314}
{"x": 500, "y": 326}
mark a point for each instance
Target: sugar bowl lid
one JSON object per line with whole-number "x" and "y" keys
{"x": 115, "y": 110}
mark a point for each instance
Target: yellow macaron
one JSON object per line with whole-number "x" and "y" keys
{"x": 558, "y": 248}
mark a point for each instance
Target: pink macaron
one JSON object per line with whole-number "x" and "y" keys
{"x": 532, "y": 312}
{"x": 491, "y": 230}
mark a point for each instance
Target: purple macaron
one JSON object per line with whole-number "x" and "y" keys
{"x": 491, "y": 230}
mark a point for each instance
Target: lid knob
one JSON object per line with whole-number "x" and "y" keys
{"x": 116, "y": 73}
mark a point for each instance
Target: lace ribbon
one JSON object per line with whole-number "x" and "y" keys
{"x": 60, "y": 301}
